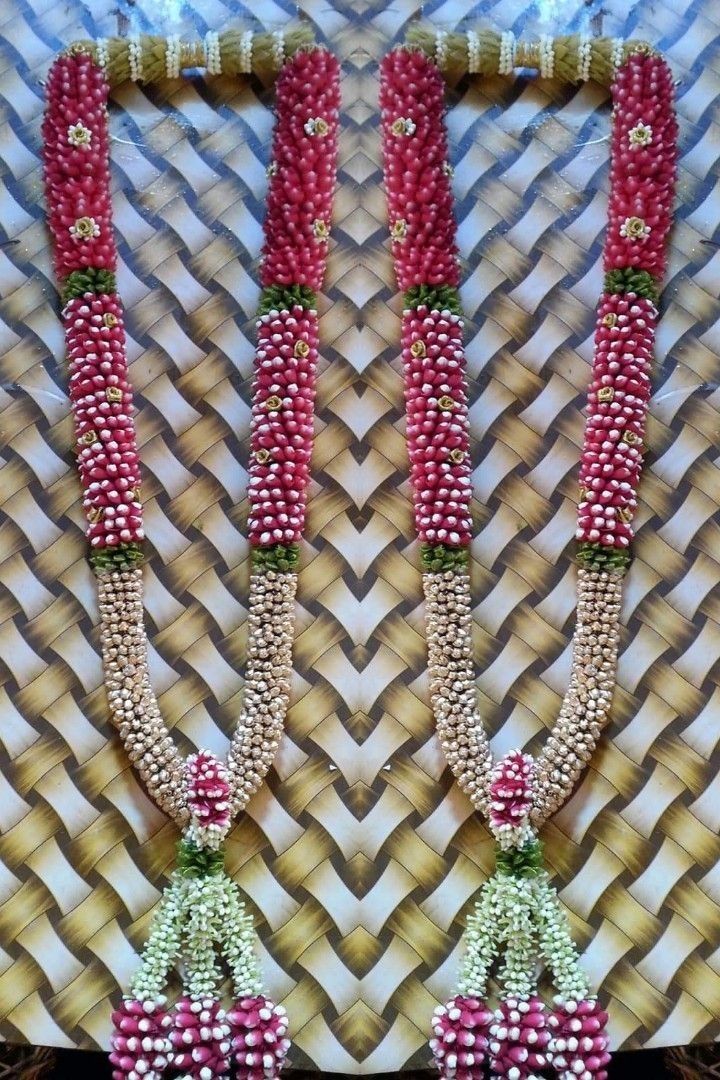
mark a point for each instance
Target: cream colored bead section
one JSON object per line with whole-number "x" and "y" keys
{"x": 586, "y": 707}
{"x": 453, "y": 695}
{"x": 133, "y": 705}
{"x": 271, "y": 622}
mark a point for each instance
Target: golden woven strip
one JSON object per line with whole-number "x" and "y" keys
{"x": 360, "y": 858}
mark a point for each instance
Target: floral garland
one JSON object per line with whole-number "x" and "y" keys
{"x": 201, "y": 917}
{"x": 518, "y": 918}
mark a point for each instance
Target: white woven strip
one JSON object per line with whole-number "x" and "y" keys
{"x": 135, "y": 57}
{"x": 506, "y": 62}
{"x": 101, "y": 52}
{"x": 584, "y": 58}
{"x": 547, "y": 56}
{"x": 279, "y": 48}
{"x": 441, "y": 49}
{"x": 617, "y": 53}
{"x": 213, "y": 62}
{"x": 246, "y": 52}
{"x": 172, "y": 56}
{"x": 473, "y": 51}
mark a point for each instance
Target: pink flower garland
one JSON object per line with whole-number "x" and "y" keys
{"x": 417, "y": 181}
{"x": 102, "y": 404}
{"x": 77, "y": 175}
{"x": 437, "y": 425}
{"x": 282, "y": 425}
{"x": 197, "y": 1038}
{"x": 522, "y": 1037}
{"x": 299, "y": 202}
{"x": 643, "y": 163}
{"x": 612, "y": 458}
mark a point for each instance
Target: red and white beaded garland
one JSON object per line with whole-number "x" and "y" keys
{"x": 201, "y": 918}
{"x": 518, "y": 919}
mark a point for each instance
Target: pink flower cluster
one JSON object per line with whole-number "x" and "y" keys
{"x": 578, "y": 1046}
{"x": 461, "y": 1034}
{"x": 417, "y": 180}
{"x": 200, "y": 1038}
{"x": 437, "y": 425}
{"x": 519, "y": 1038}
{"x": 643, "y": 163}
{"x": 299, "y": 202}
{"x": 77, "y": 176}
{"x": 140, "y": 1042}
{"x": 259, "y": 1041}
{"x": 208, "y": 791}
{"x": 102, "y": 405}
{"x": 617, "y": 406}
{"x": 511, "y": 791}
{"x": 282, "y": 425}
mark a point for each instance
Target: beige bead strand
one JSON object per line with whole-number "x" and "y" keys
{"x": 271, "y": 624}
{"x": 133, "y": 705}
{"x": 448, "y": 615}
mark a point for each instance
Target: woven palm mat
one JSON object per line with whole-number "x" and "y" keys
{"x": 358, "y": 864}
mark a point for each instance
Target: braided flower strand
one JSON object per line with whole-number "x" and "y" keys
{"x": 200, "y": 922}
{"x": 518, "y": 918}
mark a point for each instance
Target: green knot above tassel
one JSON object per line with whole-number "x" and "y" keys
{"x": 193, "y": 861}
{"x": 524, "y": 862}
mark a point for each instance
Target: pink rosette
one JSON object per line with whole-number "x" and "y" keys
{"x": 579, "y": 1042}
{"x": 282, "y": 425}
{"x": 643, "y": 165}
{"x": 200, "y": 1039}
{"x": 259, "y": 1037}
{"x": 519, "y": 1037}
{"x": 618, "y": 398}
{"x": 511, "y": 791}
{"x": 303, "y": 167}
{"x": 140, "y": 1043}
{"x": 460, "y": 1038}
{"x": 417, "y": 174}
{"x": 208, "y": 791}
{"x": 102, "y": 405}
{"x": 76, "y": 165}
{"x": 437, "y": 425}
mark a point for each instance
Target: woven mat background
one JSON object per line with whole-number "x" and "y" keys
{"x": 360, "y": 858}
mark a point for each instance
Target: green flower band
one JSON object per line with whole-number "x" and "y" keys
{"x": 120, "y": 557}
{"x": 285, "y": 297}
{"x": 602, "y": 557}
{"x": 631, "y": 280}
{"x": 278, "y": 557}
{"x": 438, "y": 558}
{"x": 90, "y": 279}
{"x": 435, "y": 297}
